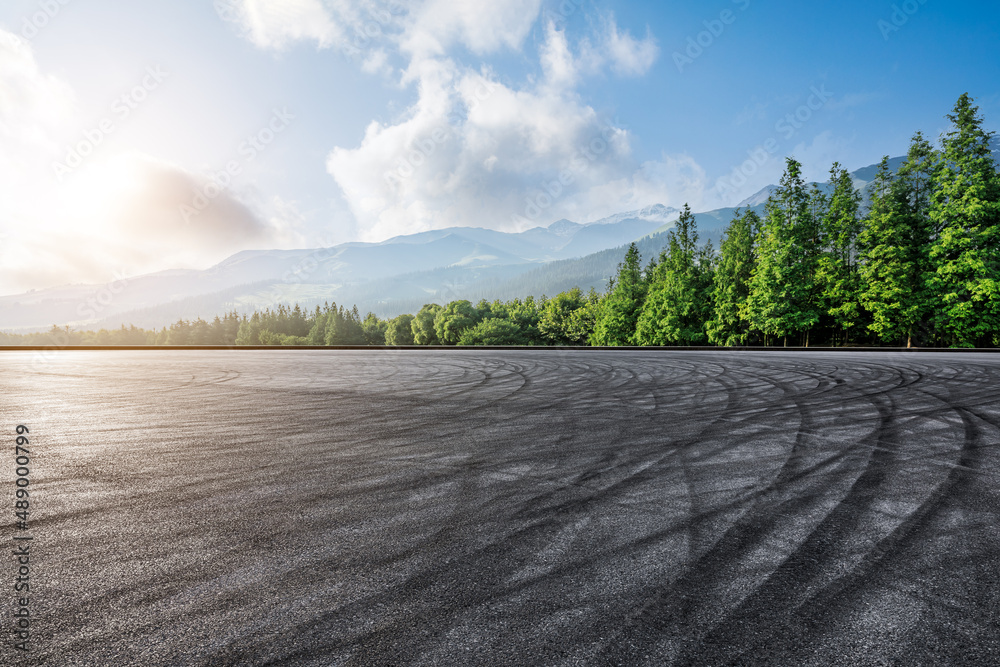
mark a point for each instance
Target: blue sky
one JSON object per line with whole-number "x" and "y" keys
{"x": 297, "y": 123}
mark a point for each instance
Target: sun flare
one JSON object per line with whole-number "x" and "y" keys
{"x": 89, "y": 199}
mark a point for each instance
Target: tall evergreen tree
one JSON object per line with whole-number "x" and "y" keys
{"x": 317, "y": 334}
{"x": 730, "y": 324}
{"x": 783, "y": 298}
{"x": 297, "y": 324}
{"x": 620, "y": 308}
{"x": 344, "y": 328}
{"x": 837, "y": 278}
{"x": 895, "y": 244}
{"x": 679, "y": 299}
{"x": 249, "y": 332}
{"x": 965, "y": 212}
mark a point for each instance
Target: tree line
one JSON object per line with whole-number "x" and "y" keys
{"x": 916, "y": 262}
{"x": 566, "y": 319}
{"x": 920, "y": 264}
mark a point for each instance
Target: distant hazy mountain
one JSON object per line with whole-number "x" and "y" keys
{"x": 759, "y": 197}
{"x": 445, "y": 259}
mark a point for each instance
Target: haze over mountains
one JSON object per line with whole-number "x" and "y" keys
{"x": 387, "y": 278}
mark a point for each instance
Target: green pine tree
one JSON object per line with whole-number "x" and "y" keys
{"x": 837, "y": 278}
{"x": 965, "y": 213}
{"x": 783, "y": 299}
{"x": 620, "y": 308}
{"x": 679, "y": 299}
{"x": 895, "y": 244}
{"x": 730, "y": 324}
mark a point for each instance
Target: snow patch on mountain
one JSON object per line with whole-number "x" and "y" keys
{"x": 656, "y": 213}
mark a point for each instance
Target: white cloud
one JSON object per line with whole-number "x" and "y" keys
{"x": 558, "y": 63}
{"x": 472, "y": 150}
{"x": 273, "y": 24}
{"x": 475, "y": 151}
{"x": 420, "y": 29}
{"x": 482, "y": 27}
{"x": 36, "y": 113}
{"x": 819, "y": 154}
{"x": 377, "y": 62}
{"x": 628, "y": 55}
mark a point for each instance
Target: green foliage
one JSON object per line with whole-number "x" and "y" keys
{"x": 455, "y": 318}
{"x": 494, "y": 331}
{"x": 268, "y": 338}
{"x": 399, "y": 330}
{"x": 837, "y": 279}
{"x": 249, "y": 332}
{"x": 729, "y": 324}
{"x": 679, "y": 301}
{"x": 582, "y": 322}
{"x": 525, "y": 315}
{"x": 965, "y": 213}
{"x": 619, "y": 311}
{"x": 921, "y": 263}
{"x": 374, "y": 329}
{"x": 895, "y": 245}
{"x": 343, "y": 327}
{"x": 783, "y": 296}
{"x": 317, "y": 332}
{"x": 559, "y": 321}
{"x": 423, "y": 325}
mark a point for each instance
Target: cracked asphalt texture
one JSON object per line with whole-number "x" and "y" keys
{"x": 546, "y": 507}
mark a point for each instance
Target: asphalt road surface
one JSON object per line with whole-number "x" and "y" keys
{"x": 506, "y": 508}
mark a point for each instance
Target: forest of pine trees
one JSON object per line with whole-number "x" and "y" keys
{"x": 914, "y": 261}
{"x": 919, "y": 265}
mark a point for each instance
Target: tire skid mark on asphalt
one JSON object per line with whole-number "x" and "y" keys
{"x": 845, "y": 598}
{"x": 913, "y": 529}
{"x": 819, "y": 559}
{"x": 413, "y": 426}
{"x": 748, "y": 530}
{"x": 369, "y": 638}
